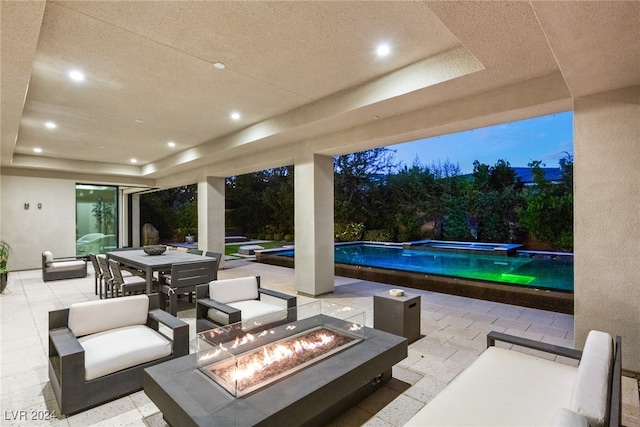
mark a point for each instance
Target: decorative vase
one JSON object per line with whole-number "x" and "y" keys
{"x": 4, "y": 279}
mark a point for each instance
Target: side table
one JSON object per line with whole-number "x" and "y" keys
{"x": 397, "y": 315}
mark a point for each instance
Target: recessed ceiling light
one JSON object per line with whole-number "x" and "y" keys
{"x": 37, "y": 150}
{"x": 76, "y": 75}
{"x": 171, "y": 144}
{"x": 219, "y": 65}
{"x": 235, "y": 115}
{"x": 50, "y": 125}
{"x": 383, "y": 50}
{"x": 134, "y": 160}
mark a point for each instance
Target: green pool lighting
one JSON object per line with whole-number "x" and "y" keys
{"x": 517, "y": 278}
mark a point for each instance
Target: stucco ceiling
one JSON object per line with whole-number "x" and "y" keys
{"x": 296, "y": 71}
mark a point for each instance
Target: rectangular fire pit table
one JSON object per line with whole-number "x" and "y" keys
{"x": 311, "y": 396}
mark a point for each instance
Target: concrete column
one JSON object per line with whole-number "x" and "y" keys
{"x": 314, "y": 240}
{"x": 211, "y": 215}
{"x": 135, "y": 221}
{"x": 607, "y": 218}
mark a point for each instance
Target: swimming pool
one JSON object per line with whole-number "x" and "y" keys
{"x": 518, "y": 279}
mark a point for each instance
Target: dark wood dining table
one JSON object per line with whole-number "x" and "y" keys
{"x": 138, "y": 259}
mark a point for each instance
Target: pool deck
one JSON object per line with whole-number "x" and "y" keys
{"x": 454, "y": 330}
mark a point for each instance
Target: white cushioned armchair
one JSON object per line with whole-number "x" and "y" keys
{"x": 99, "y": 349}
{"x": 62, "y": 268}
{"x": 223, "y": 302}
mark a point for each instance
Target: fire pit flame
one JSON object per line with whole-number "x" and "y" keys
{"x": 280, "y": 352}
{"x": 260, "y": 366}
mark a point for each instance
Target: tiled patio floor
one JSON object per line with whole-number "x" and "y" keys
{"x": 454, "y": 330}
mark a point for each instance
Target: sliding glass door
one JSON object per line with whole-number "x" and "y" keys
{"x": 96, "y": 219}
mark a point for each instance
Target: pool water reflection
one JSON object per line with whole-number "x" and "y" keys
{"x": 534, "y": 271}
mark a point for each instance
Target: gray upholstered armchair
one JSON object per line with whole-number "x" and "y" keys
{"x": 62, "y": 268}
{"x": 99, "y": 349}
{"x": 223, "y": 302}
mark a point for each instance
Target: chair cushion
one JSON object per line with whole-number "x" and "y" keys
{"x": 251, "y": 311}
{"x": 501, "y": 388}
{"x": 567, "y": 418}
{"x": 111, "y": 351}
{"x": 231, "y": 290}
{"x": 48, "y": 258}
{"x": 96, "y": 316}
{"x": 590, "y": 395}
{"x": 65, "y": 265}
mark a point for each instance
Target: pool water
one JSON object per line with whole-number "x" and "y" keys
{"x": 535, "y": 272}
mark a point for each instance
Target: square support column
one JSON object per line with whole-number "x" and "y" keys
{"x": 607, "y": 218}
{"x": 135, "y": 222}
{"x": 211, "y": 203}
{"x": 314, "y": 240}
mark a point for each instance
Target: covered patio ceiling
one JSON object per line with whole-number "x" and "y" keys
{"x": 295, "y": 71}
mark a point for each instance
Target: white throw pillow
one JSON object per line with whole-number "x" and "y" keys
{"x": 231, "y": 290}
{"x": 96, "y": 316}
{"x": 564, "y": 417}
{"x": 590, "y": 395}
{"x": 48, "y": 258}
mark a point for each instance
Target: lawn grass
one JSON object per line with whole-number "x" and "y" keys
{"x": 233, "y": 249}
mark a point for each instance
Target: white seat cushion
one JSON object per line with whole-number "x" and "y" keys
{"x": 111, "y": 351}
{"x": 590, "y": 394}
{"x": 501, "y": 388}
{"x": 65, "y": 265}
{"x": 96, "y": 316}
{"x": 252, "y": 313}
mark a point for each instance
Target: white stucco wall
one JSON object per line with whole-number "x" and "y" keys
{"x": 607, "y": 218}
{"x": 32, "y": 231}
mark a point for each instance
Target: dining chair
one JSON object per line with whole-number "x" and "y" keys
{"x": 97, "y": 272}
{"x": 123, "y": 285}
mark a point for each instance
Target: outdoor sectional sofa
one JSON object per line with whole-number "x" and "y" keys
{"x": 506, "y": 387}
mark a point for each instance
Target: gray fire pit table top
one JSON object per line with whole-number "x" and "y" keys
{"x": 311, "y": 396}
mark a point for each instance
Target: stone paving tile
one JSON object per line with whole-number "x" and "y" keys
{"x": 481, "y": 317}
{"x": 548, "y": 331}
{"x": 507, "y": 311}
{"x": 405, "y": 375}
{"x": 425, "y": 389}
{"x": 441, "y": 371}
{"x": 355, "y": 416}
{"x": 156, "y": 420}
{"x": 455, "y": 321}
{"x": 378, "y": 400}
{"x": 103, "y": 412}
{"x": 398, "y": 412}
{"x": 562, "y": 321}
{"x": 512, "y": 324}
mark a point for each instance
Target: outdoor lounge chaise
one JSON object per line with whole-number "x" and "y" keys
{"x": 505, "y": 387}
{"x": 99, "y": 349}
{"x": 223, "y": 302}
{"x": 62, "y": 268}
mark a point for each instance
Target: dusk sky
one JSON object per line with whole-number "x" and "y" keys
{"x": 543, "y": 138}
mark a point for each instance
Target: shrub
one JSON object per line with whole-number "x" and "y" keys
{"x": 378, "y": 235}
{"x": 348, "y": 232}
